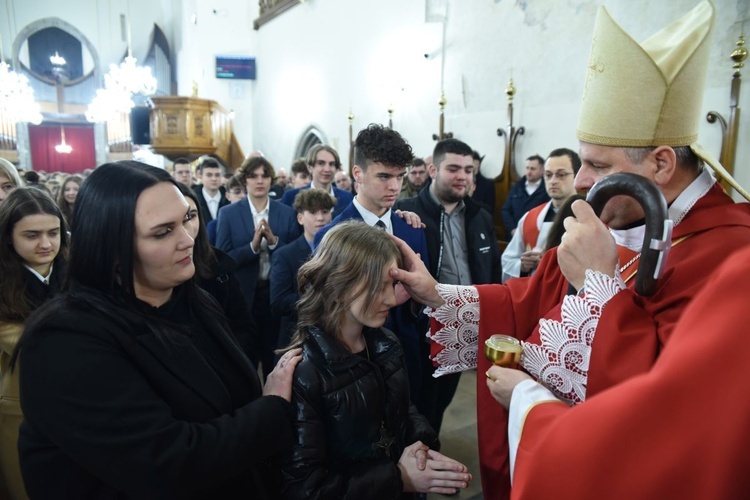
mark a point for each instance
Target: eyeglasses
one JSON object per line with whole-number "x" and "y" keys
{"x": 560, "y": 176}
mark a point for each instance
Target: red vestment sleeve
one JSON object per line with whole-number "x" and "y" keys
{"x": 678, "y": 431}
{"x": 511, "y": 309}
{"x": 632, "y": 330}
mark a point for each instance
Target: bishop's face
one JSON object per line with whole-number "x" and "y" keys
{"x": 597, "y": 162}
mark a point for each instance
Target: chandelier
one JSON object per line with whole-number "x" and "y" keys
{"x": 17, "y": 102}
{"x": 120, "y": 84}
{"x": 63, "y": 148}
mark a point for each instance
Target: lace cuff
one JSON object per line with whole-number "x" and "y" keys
{"x": 458, "y": 336}
{"x": 561, "y": 361}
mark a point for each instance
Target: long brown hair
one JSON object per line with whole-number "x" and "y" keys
{"x": 65, "y": 207}
{"x": 22, "y": 202}
{"x": 350, "y": 260}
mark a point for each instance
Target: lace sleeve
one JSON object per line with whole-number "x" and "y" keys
{"x": 561, "y": 361}
{"x": 458, "y": 336}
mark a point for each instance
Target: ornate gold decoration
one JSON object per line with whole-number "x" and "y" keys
{"x": 730, "y": 127}
{"x": 270, "y": 9}
{"x": 442, "y": 134}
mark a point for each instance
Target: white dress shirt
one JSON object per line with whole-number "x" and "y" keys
{"x": 212, "y": 202}
{"x": 265, "y": 259}
{"x": 371, "y": 219}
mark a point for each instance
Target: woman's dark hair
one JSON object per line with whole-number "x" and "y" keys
{"x": 104, "y": 215}
{"x": 22, "y": 202}
{"x": 203, "y": 255}
{"x": 557, "y": 230}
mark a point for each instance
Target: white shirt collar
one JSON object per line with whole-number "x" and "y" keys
{"x": 43, "y": 279}
{"x": 208, "y": 197}
{"x": 371, "y": 219}
{"x": 262, "y": 212}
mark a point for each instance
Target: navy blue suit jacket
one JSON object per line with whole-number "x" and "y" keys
{"x": 343, "y": 198}
{"x": 410, "y": 329}
{"x": 519, "y": 202}
{"x": 285, "y": 263}
{"x": 234, "y": 232}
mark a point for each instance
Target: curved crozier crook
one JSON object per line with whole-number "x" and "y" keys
{"x": 658, "y": 237}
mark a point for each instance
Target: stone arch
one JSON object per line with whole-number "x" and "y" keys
{"x": 56, "y": 22}
{"x": 310, "y": 137}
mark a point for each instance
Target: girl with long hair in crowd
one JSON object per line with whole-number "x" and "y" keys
{"x": 132, "y": 384}
{"x": 357, "y": 433}
{"x": 66, "y": 197}
{"x": 33, "y": 246}
{"x": 9, "y": 179}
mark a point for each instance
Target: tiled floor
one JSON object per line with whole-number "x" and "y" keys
{"x": 459, "y": 435}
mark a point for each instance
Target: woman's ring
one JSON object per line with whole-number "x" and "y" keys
{"x": 487, "y": 374}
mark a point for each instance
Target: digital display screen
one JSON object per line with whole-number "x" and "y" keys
{"x": 235, "y": 67}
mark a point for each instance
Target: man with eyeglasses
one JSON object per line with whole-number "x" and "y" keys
{"x": 522, "y": 255}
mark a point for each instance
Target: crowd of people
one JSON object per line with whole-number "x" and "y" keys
{"x": 195, "y": 333}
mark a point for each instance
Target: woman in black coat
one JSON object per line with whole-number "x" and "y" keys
{"x": 132, "y": 384}
{"x": 357, "y": 434}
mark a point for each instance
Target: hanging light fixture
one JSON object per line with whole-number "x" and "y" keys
{"x": 17, "y": 102}
{"x": 63, "y": 147}
{"x": 120, "y": 84}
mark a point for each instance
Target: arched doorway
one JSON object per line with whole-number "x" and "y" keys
{"x": 311, "y": 137}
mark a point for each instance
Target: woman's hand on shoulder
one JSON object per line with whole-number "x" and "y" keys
{"x": 279, "y": 381}
{"x": 438, "y": 474}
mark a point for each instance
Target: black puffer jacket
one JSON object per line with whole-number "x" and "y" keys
{"x": 344, "y": 403}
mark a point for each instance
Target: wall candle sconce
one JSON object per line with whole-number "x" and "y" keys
{"x": 510, "y": 135}
{"x": 508, "y": 174}
{"x": 730, "y": 128}
{"x": 441, "y": 131}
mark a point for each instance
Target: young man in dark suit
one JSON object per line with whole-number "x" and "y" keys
{"x": 210, "y": 192}
{"x": 250, "y": 231}
{"x": 322, "y": 163}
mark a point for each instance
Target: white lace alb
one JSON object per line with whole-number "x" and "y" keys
{"x": 561, "y": 361}
{"x": 460, "y": 319}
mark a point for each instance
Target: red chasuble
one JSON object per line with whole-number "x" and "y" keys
{"x": 680, "y": 430}
{"x": 631, "y": 331}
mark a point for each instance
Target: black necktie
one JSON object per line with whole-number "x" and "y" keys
{"x": 380, "y": 225}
